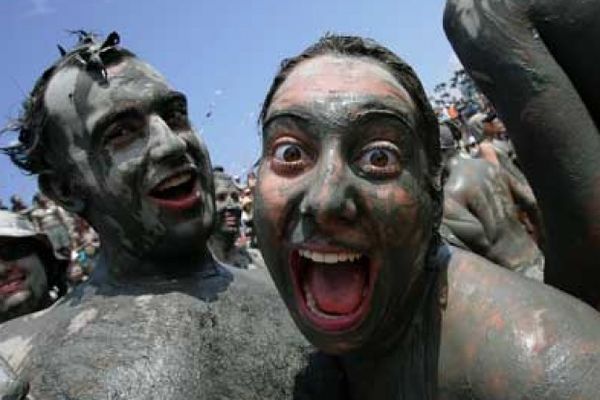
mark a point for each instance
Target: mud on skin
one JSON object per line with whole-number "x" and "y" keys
{"x": 159, "y": 319}
{"x": 545, "y": 54}
{"x": 481, "y": 193}
{"x": 228, "y": 220}
{"x": 343, "y": 215}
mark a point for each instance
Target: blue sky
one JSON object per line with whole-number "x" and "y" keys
{"x": 222, "y": 54}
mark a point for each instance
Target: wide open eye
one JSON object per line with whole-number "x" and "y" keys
{"x": 288, "y": 157}
{"x": 380, "y": 160}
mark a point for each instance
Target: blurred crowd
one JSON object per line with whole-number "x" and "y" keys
{"x": 71, "y": 237}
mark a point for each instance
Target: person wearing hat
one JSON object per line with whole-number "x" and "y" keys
{"x": 29, "y": 268}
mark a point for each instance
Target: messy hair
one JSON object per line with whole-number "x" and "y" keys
{"x": 88, "y": 54}
{"x": 427, "y": 123}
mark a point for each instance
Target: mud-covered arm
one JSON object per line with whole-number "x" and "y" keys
{"x": 505, "y": 46}
{"x": 508, "y": 337}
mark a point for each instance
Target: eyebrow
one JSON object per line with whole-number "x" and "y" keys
{"x": 366, "y": 112}
{"x": 128, "y": 108}
{"x": 393, "y": 109}
{"x": 297, "y": 113}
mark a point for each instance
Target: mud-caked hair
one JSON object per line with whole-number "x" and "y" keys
{"x": 427, "y": 123}
{"x": 89, "y": 54}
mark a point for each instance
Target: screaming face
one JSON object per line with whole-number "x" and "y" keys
{"x": 342, "y": 211}
{"x": 132, "y": 158}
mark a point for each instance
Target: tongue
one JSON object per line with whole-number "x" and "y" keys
{"x": 336, "y": 289}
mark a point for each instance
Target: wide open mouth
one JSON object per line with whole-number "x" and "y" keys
{"x": 333, "y": 288}
{"x": 178, "y": 191}
{"x": 231, "y": 219}
{"x": 12, "y": 282}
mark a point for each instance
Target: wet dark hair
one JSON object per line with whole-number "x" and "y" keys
{"x": 88, "y": 54}
{"x": 427, "y": 123}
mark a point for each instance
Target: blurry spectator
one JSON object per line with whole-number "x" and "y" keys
{"x": 32, "y": 274}
{"x": 251, "y": 181}
{"x": 47, "y": 217}
{"x": 222, "y": 242}
{"x": 18, "y": 205}
{"x": 247, "y": 202}
{"x": 83, "y": 257}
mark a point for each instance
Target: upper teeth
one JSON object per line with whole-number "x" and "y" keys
{"x": 174, "y": 181}
{"x": 329, "y": 258}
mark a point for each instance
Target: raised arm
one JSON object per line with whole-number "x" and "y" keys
{"x": 537, "y": 62}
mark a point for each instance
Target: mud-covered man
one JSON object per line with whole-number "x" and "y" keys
{"x": 160, "y": 318}
{"x": 222, "y": 242}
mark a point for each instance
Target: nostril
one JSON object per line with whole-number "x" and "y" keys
{"x": 349, "y": 210}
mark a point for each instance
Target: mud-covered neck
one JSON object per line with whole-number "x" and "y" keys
{"x": 407, "y": 369}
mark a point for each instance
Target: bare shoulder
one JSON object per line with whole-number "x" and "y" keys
{"x": 505, "y": 336}
{"x": 472, "y": 277}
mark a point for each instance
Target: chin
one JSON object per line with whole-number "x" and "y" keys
{"x": 181, "y": 239}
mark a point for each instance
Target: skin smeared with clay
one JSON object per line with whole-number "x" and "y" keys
{"x": 159, "y": 318}
{"x": 229, "y": 214}
{"x": 347, "y": 216}
{"x": 480, "y": 208}
{"x": 532, "y": 59}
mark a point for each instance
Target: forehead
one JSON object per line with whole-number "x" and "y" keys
{"x": 74, "y": 95}
{"x": 333, "y": 76}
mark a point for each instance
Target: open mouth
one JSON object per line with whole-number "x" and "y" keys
{"x": 179, "y": 191}
{"x": 13, "y": 282}
{"x": 231, "y": 220}
{"x": 333, "y": 288}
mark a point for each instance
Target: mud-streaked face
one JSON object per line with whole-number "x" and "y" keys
{"x": 229, "y": 209}
{"x": 23, "y": 281}
{"x": 342, "y": 211}
{"x": 140, "y": 167}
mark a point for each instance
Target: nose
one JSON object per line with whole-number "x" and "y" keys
{"x": 164, "y": 143}
{"x": 330, "y": 197}
{"x": 231, "y": 204}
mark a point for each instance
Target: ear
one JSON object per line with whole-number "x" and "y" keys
{"x": 63, "y": 191}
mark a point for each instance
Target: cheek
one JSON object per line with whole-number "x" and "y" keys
{"x": 273, "y": 195}
{"x": 121, "y": 179}
{"x": 397, "y": 213}
{"x": 133, "y": 151}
